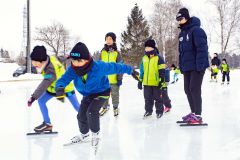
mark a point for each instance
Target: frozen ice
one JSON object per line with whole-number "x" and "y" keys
{"x": 127, "y": 137}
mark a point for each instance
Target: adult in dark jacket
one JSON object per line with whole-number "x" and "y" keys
{"x": 193, "y": 61}
{"x": 215, "y": 63}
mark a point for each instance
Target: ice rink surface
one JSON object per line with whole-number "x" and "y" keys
{"x": 127, "y": 137}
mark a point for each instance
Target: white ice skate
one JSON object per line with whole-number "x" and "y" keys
{"x": 83, "y": 138}
{"x": 95, "y": 141}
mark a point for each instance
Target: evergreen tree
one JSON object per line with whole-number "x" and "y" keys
{"x": 137, "y": 32}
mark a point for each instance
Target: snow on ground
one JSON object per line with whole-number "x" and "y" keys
{"x": 7, "y": 70}
{"x": 128, "y": 137}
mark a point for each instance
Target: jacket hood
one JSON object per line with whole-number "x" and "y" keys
{"x": 193, "y": 21}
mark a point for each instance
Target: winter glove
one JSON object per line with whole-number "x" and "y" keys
{"x": 60, "y": 94}
{"x": 30, "y": 101}
{"x": 135, "y": 75}
{"x": 140, "y": 85}
{"x": 119, "y": 83}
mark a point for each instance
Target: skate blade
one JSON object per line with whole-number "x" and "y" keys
{"x": 72, "y": 143}
{"x": 95, "y": 149}
{"x": 148, "y": 117}
{"x": 188, "y": 125}
{"x": 181, "y": 122}
{"x": 102, "y": 115}
{"x": 41, "y": 133}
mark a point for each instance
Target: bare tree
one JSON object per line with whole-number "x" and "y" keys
{"x": 164, "y": 28}
{"x": 54, "y": 36}
{"x": 228, "y": 20}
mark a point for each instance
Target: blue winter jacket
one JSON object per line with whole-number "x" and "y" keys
{"x": 193, "y": 47}
{"x": 97, "y": 80}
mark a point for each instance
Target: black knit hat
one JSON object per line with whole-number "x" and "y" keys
{"x": 112, "y": 35}
{"x": 80, "y": 51}
{"x": 182, "y": 13}
{"x": 173, "y": 66}
{"x": 150, "y": 43}
{"x": 39, "y": 54}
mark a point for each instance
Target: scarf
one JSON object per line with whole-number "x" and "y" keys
{"x": 110, "y": 48}
{"x": 81, "y": 71}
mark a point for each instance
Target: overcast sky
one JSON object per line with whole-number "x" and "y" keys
{"x": 88, "y": 19}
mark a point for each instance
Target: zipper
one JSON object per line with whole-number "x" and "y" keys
{"x": 148, "y": 70}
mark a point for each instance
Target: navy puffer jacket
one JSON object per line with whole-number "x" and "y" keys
{"x": 193, "y": 47}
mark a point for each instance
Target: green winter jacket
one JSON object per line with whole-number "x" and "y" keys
{"x": 152, "y": 70}
{"x": 112, "y": 56}
{"x": 224, "y": 68}
{"x": 51, "y": 73}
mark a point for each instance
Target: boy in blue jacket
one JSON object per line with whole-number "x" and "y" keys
{"x": 90, "y": 79}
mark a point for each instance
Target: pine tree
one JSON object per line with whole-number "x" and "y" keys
{"x": 137, "y": 32}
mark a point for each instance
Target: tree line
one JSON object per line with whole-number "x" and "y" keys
{"x": 161, "y": 26}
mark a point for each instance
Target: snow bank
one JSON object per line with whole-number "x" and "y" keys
{"x": 7, "y": 69}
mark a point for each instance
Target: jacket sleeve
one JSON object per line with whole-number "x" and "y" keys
{"x": 99, "y": 56}
{"x": 161, "y": 68}
{"x": 66, "y": 78}
{"x": 200, "y": 44}
{"x": 218, "y": 63}
{"x": 228, "y": 69}
{"x": 48, "y": 79}
{"x": 119, "y": 60}
{"x": 114, "y": 68}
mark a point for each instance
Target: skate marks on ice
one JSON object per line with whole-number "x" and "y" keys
{"x": 75, "y": 143}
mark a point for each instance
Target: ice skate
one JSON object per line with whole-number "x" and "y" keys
{"x": 103, "y": 111}
{"x": 95, "y": 141}
{"x": 82, "y": 138}
{"x": 167, "y": 109}
{"x": 194, "y": 121}
{"x": 147, "y": 115}
{"x": 187, "y": 117}
{"x": 159, "y": 115}
{"x": 115, "y": 112}
{"x": 44, "y": 127}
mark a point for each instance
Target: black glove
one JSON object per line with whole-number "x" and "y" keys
{"x": 140, "y": 85}
{"x": 119, "y": 83}
{"x": 60, "y": 94}
{"x": 135, "y": 75}
{"x": 30, "y": 101}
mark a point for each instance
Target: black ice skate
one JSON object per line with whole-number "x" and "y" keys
{"x": 115, "y": 112}
{"x": 44, "y": 127}
{"x": 147, "y": 115}
{"x": 159, "y": 115}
